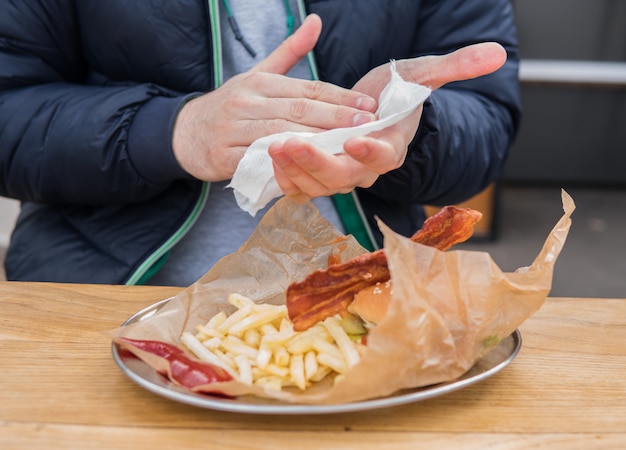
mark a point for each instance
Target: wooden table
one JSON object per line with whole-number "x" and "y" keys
{"x": 61, "y": 389}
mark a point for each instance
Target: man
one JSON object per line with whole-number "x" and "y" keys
{"x": 122, "y": 123}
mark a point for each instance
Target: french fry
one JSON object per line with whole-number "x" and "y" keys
{"x": 304, "y": 341}
{"x": 258, "y": 346}
{"x": 264, "y": 356}
{"x": 211, "y": 343}
{"x": 244, "y": 368}
{"x": 337, "y": 364}
{"x": 342, "y": 339}
{"x": 252, "y": 337}
{"x": 285, "y": 324}
{"x": 236, "y": 346}
{"x": 268, "y": 329}
{"x": 279, "y": 371}
{"x": 322, "y": 346}
{"x": 239, "y": 301}
{"x": 322, "y": 372}
{"x": 281, "y": 356}
{"x": 277, "y": 338}
{"x": 274, "y": 383}
{"x": 206, "y": 332}
{"x": 296, "y": 371}
{"x": 256, "y": 320}
{"x": 216, "y": 320}
{"x": 203, "y": 353}
{"x": 227, "y": 359}
{"x": 234, "y": 318}
{"x": 310, "y": 365}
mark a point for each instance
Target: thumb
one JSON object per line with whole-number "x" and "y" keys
{"x": 292, "y": 49}
{"x": 464, "y": 64}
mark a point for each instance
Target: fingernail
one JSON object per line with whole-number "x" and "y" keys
{"x": 280, "y": 158}
{"x": 361, "y": 118}
{"x": 300, "y": 154}
{"x": 366, "y": 103}
{"x": 358, "y": 151}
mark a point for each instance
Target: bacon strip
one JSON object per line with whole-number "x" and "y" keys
{"x": 330, "y": 291}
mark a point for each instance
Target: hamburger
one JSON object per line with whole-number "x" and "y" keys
{"x": 362, "y": 286}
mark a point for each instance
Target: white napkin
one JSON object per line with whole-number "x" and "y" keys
{"x": 254, "y": 183}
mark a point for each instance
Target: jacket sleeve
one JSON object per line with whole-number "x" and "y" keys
{"x": 466, "y": 127}
{"x": 64, "y": 139}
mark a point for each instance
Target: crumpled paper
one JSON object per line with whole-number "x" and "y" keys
{"x": 254, "y": 184}
{"x": 448, "y": 309}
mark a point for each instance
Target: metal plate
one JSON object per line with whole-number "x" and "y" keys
{"x": 146, "y": 377}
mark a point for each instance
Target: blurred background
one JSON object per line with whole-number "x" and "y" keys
{"x": 573, "y": 137}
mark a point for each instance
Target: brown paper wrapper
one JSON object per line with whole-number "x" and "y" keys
{"x": 448, "y": 309}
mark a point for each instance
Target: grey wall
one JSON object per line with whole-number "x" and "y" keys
{"x": 571, "y": 134}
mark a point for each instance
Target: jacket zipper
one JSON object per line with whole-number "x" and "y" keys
{"x": 154, "y": 261}
{"x": 348, "y": 205}
{"x": 157, "y": 258}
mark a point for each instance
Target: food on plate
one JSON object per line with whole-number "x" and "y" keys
{"x": 320, "y": 333}
{"x": 178, "y": 366}
{"x": 446, "y": 311}
{"x": 258, "y": 345}
{"x": 328, "y": 292}
{"x": 370, "y": 304}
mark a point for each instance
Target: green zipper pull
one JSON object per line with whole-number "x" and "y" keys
{"x": 235, "y": 27}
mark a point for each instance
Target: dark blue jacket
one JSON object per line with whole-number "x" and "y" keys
{"x": 89, "y": 91}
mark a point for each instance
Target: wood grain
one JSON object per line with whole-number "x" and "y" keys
{"x": 63, "y": 437}
{"x": 61, "y": 389}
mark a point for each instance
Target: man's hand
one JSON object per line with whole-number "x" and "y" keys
{"x": 213, "y": 131}
{"x": 301, "y": 168}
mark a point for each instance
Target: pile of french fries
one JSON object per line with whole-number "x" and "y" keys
{"x": 257, "y": 345}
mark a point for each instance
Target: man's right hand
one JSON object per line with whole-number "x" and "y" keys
{"x": 213, "y": 131}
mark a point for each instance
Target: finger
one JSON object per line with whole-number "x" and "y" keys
{"x": 463, "y": 64}
{"x": 384, "y": 150}
{"x": 303, "y": 168}
{"x": 378, "y": 155}
{"x": 284, "y": 182}
{"x": 292, "y": 49}
{"x": 289, "y": 175}
{"x": 278, "y": 88}
{"x": 303, "y": 115}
